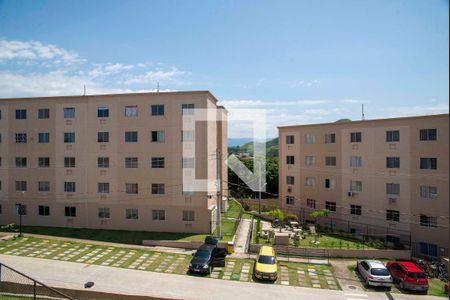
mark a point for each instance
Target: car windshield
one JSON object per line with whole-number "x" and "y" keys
{"x": 379, "y": 272}
{"x": 202, "y": 254}
{"x": 268, "y": 260}
{"x": 416, "y": 275}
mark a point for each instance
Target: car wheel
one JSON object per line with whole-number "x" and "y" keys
{"x": 210, "y": 270}
{"x": 402, "y": 285}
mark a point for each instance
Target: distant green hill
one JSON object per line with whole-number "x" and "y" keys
{"x": 271, "y": 147}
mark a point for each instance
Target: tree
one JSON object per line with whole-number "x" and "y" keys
{"x": 316, "y": 214}
{"x": 277, "y": 214}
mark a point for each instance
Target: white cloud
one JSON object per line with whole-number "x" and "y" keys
{"x": 153, "y": 76}
{"x": 303, "y": 83}
{"x": 32, "y": 68}
{"x": 36, "y": 51}
{"x": 417, "y": 110}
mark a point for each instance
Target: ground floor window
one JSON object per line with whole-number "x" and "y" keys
{"x": 70, "y": 211}
{"x": 289, "y": 200}
{"x": 331, "y": 206}
{"x": 158, "y": 214}
{"x": 44, "y": 210}
{"x": 103, "y": 213}
{"x": 132, "y": 213}
{"x": 188, "y": 215}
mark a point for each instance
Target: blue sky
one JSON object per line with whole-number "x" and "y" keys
{"x": 303, "y": 61}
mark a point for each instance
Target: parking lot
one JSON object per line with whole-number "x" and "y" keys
{"x": 293, "y": 274}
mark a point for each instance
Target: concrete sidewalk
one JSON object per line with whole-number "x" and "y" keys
{"x": 69, "y": 275}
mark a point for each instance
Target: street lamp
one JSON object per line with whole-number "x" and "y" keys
{"x": 21, "y": 211}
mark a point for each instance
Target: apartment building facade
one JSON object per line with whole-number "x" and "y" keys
{"x": 109, "y": 161}
{"x": 388, "y": 176}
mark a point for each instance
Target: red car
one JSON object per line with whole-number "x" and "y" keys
{"x": 408, "y": 275}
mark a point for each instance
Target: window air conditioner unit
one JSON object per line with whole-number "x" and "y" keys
{"x": 289, "y": 189}
{"x": 392, "y": 200}
{"x": 350, "y": 194}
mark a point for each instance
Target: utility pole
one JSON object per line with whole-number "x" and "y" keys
{"x": 219, "y": 192}
{"x": 259, "y": 191}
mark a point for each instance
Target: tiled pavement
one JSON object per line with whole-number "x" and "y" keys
{"x": 235, "y": 269}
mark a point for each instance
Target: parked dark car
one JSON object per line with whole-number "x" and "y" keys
{"x": 408, "y": 275}
{"x": 206, "y": 258}
{"x": 211, "y": 240}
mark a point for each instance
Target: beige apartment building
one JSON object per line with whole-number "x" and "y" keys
{"x": 386, "y": 178}
{"x": 109, "y": 161}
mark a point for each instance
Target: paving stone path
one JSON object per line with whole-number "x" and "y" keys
{"x": 228, "y": 269}
{"x": 284, "y": 274}
{"x": 245, "y": 272}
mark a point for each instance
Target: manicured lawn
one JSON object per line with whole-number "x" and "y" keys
{"x": 325, "y": 241}
{"x": 115, "y": 236}
{"x": 148, "y": 260}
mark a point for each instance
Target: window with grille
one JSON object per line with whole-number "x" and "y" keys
{"x": 69, "y": 187}
{"x": 70, "y": 211}
{"x": 102, "y": 112}
{"x": 69, "y": 162}
{"x": 330, "y": 160}
{"x": 21, "y": 114}
{"x": 355, "y": 210}
{"x": 21, "y": 138}
{"x": 44, "y": 186}
{"x": 188, "y": 215}
{"x": 355, "y": 161}
{"x": 131, "y": 188}
{"x": 428, "y": 134}
{"x": 393, "y": 136}
{"x": 355, "y": 186}
{"x": 392, "y": 215}
{"x": 331, "y": 206}
{"x": 43, "y": 137}
{"x": 132, "y": 213}
{"x": 131, "y": 162}
{"x": 290, "y": 180}
{"x": 330, "y": 138}
{"x": 310, "y": 139}
{"x": 158, "y": 188}
{"x": 355, "y": 137}
{"x": 290, "y": 160}
{"x": 310, "y": 181}
{"x": 103, "y": 213}
{"x": 428, "y": 221}
{"x": 310, "y": 160}
{"x": 103, "y": 162}
{"x": 290, "y": 200}
{"x": 157, "y": 110}
{"x": 21, "y": 186}
{"x": 187, "y": 109}
{"x": 158, "y": 162}
{"x": 131, "y": 136}
{"x": 103, "y": 137}
{"x": 69, "y": 137}
{"x": 131, "y": 111}
{"x": 428, "y": 163}
{"x": 393, "y": 189}
{"x": 158, "y": 215}
{"x": 21, "y": 162}
{"x": 290, "y": 139}
{"x": 43, "y": 113}
{"x": 428, "y": 192}
{"x": 69, "y": 112}
{"x": 310, "y": 203}
{"x": 103, "y": 187}
{"x": 44, "y": 210}
{"x": 392, "y": 162}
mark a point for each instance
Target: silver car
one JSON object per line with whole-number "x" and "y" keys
{"x": 374, "y": 273}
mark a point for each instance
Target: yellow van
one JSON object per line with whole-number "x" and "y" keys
{"x": 266, "y": 264}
